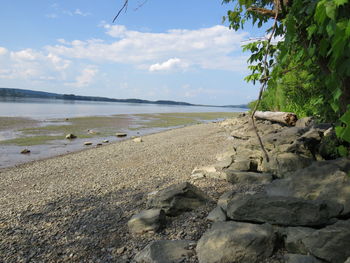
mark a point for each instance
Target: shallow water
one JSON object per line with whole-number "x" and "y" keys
{"x": 44, "y": 109}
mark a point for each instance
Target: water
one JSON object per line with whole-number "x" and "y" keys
{"x": 44, "y": 109}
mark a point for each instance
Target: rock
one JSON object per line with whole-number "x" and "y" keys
{"x": 70, "y": 136}
{"x": 348, "y": 260}
{"x": 105, "y": 141}
{"x": 281, "y": 210}
{"x": 285, "y": 136}
{"x": 178, "y": 198}
{"x": 294, "y": 238}
{"x": 209, "y": 172}
{"x": 283, "y": 163}
{"x": 223, "y": 163}
{"x": 305, "y": 122}
{"x": 228, "y": 196}
{"x": 330, "y": 243}
{"x": 146, "y": 221}
{"x": 228, "y": 242}
{"x": 87, "y": 143}
{"x": 238, "y": 177}
{"x": 121, "y": 134}
{"x": 25, "y": 151}
{"x": 225, "y": 155}
{"x": 328, "y": 145}
{"x": 137, "y": 139}
{"x": 166, "y": 251}
{"x": 217, "y": 215}
{"x": 323, "y": 180}
{"x": 295, "y": 258}
{"x": 99, "y": 144}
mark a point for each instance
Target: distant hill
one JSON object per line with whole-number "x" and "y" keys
{"x": 21, "y": 93}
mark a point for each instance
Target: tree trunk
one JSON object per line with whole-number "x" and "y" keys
{"x": 281, "y": 117}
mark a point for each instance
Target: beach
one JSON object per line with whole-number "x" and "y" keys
{"x": 75, "y": 207}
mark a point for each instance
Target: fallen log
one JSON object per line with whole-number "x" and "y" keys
{"x": 288, "y": 118}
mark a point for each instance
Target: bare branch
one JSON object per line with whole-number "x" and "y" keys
{"x": 141, "y": 5}
{"x": 124, "y": 7}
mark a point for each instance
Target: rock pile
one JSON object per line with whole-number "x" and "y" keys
{"x": 299, "y": 212}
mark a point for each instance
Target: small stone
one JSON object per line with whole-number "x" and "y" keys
{"x": 87, "y": 143}
{"x": 70, "y": 136}
{"x": 121, "y": 134}
{"x": 105, "y": 141}
{"x": 217, "y": 215}
{"x": 25, "y": 151}
{"x": 121, "y": 250}
{"x": 99, "y": 144}
{"x": 137, "y": 139}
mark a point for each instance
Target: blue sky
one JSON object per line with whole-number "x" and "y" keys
{"x": 164, "y": 49}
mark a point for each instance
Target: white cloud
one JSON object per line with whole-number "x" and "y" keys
{"x": 80, "y": 13}
{"x": 206, "y": 48}
{"x": 173, "y": 63}
{"x": 52, "y": 16}
{"x": 85, "y": 78}
{"x": 3, "y": 51}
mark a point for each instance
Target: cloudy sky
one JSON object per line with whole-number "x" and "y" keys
{"x": 158, "y": 49}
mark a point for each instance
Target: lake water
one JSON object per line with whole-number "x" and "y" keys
{"x": 43, "y": 109}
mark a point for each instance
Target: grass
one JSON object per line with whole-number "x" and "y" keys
{"x": 102, "y": 126}
{"x": 7, "y": 123}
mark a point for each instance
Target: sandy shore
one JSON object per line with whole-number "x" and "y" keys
{"x": 74, "y": 208}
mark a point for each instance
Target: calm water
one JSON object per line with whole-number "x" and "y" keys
{"x": 44, "y": 109}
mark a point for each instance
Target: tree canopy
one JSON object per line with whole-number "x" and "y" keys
{"x": 308, "y": 70}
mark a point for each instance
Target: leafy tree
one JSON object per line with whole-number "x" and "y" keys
{"x": 311, "y": 63}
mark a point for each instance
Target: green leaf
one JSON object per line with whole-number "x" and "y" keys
{"x": 340, "y": 2}
{"x": 331, "y": 10}
{"x": 343, "y": 152}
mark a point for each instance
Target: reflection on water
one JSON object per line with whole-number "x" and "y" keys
{"x": 44, "y": 109}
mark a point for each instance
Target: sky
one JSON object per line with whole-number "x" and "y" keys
{"x": 156, "y": 50}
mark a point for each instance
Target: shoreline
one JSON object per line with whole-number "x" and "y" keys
{"x": 94, "y": 129}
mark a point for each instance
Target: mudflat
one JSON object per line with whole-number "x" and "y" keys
{"x": 75, "y": 208}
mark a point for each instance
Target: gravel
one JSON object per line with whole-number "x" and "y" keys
{"x": 75, "y": 208}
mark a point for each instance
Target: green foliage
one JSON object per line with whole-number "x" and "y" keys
{"x": 309, "y": 71}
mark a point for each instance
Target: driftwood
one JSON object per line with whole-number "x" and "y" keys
{"x": 288, "y": 118}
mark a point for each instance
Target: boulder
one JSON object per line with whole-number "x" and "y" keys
{"x": 323, "y": 180}
{"x": 281, "y": 164}
{"x": 228, "y": 196}
{"x": 178, "y": 198}
{"x": 294, "y": 239}
{"x": 166, "y": 251}
{"x": 228, "y": 242}
{"x": 146, "y": 221}
{"x": 214, "y": 172}
{"x": 331, "y": 243}
{"x": 348, "y": 260}
{"x": 295, "y": 258}
{"x": 87, "y": 143}
{"x": 282, "y": 210}
{"x": 217, "y": 215}
{"x": 121, "y": 134}
{"x": 305, "y": 122}
{"x": 285, "y": 136}
{"x": 238, "y": 177}
{"x": 105, "y": 141}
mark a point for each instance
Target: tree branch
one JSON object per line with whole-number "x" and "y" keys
{"x": 124, "y": 7}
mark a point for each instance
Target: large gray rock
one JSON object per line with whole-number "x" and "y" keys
{"x": 228, "y": 242}
{"x": 348, "y": 260}
{"x": 331, "y": 243}
{"x": 147, "y": 220}
{"x": 295, "y": 258}
{"x": 326, "y": 180}
{"x": 294, "y": 239}
{"x": 228, "y": 196}
{"x": 238, "y": 177}
{"x": 178, "y": 198}
{"x": 281, "y": 210}
{"x": 166, "y": 251}
{"x": 305, "y": 122}
{"x": 281, "y": 164}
